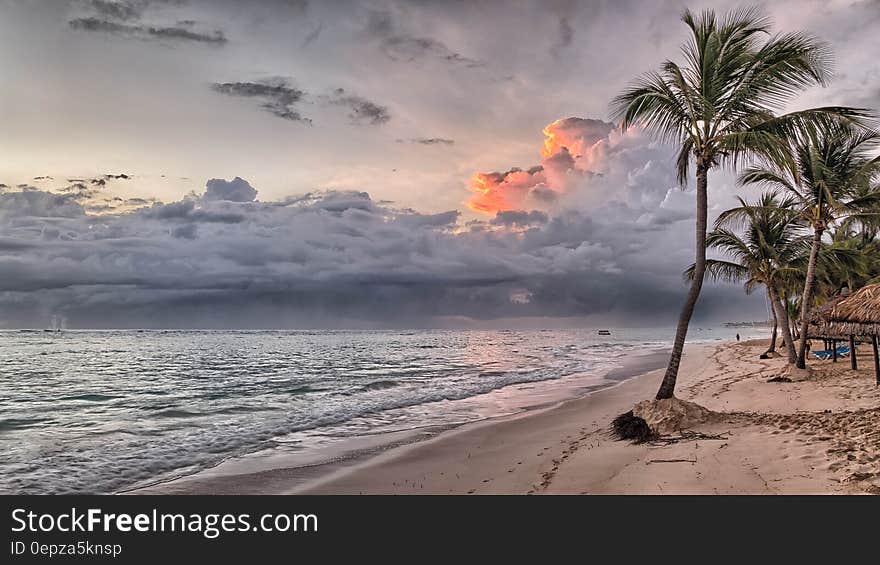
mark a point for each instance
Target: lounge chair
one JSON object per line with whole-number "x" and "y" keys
{"x": 842, "y": 351}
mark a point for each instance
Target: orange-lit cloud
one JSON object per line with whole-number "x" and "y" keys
{"x": 578, "y": 135}
{"x": 504, "y": 191}
{"x": 568, "y": 153}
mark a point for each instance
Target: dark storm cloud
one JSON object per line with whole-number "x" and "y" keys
{"x": 399, "y": 45}
{"x": 361, "y": 110}
{"x": 278, "y": 97}
{"x": 325, "y": 259}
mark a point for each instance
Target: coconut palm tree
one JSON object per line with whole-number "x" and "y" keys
{"x": 830, "y": 176}
{"x": 860, "y": 235}
{"x": 770, "y": 249}
{"x": 718, "y": 106}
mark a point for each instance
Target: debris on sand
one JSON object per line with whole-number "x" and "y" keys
{"x": 630, "y": 427}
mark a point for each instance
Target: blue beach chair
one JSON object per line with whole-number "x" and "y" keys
{"x": 842, "y": 351}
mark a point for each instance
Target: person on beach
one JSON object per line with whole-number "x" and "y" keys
{"x": 737, "y": 337}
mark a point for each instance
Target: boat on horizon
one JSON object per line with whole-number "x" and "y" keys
{"x": 604, "y": 332}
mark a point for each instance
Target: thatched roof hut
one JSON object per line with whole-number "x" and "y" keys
{"x": 855, "y": 315}
{"x": 820, "y": 325}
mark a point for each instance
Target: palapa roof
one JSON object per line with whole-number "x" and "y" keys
{"x": 857, "y": 314}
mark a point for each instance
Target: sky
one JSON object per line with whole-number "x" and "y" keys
{"x": 386, "y": 163}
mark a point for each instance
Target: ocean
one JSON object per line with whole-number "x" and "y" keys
{"x": 107, "y": 411}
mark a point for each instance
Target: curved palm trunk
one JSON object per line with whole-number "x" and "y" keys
{"x": 808, "y": 295}
{"x": 772, "y": 348}
{"x": 667, "y": 387}
{"x": 784, "y": 323}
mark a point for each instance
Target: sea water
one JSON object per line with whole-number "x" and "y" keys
{"x": 101, "y": 411}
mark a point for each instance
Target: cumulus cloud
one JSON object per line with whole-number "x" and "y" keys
{"x": 38, "y": 204}
{"x": 235, "y": 190}
{"x": 508, "y": 190}
{"x": 582, "y": 161}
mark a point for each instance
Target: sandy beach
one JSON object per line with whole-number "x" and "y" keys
{"x": 819, "y": 435}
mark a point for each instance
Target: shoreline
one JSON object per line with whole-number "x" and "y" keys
{"x": 819, "y": 435}
{"x": 267, "y": 472}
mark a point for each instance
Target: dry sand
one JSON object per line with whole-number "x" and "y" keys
{"x": 819, "y": 435}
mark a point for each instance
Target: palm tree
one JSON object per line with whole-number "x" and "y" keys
{"x": 860, "y": 235}
{"x": 770, "y": 249}
{"x": 830, "y": 177}
{"x": 833, "y": 277}
{"x": 719, "y": 108}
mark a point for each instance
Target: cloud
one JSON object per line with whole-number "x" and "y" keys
{"x": 361, "y": 110}
{"x": 428, "y": 141}
{"x": 580, "y": 157}
{"x": 519, "y": 218}
{"x": 312, "y": 35}
{"x": 278, "y": 97}
{"x": 38, "y": 204}
{"x": 125, "y": 18}
{"x": 189, "y": 211}
{"x": 508, "y": 190}
{"x": 236, "y": 190}
{"x": 566, "y": 36}
{"x": 94, "y": 24}
{"x": 117, "y": 9}
{"x": 186, "y": 231}
{"x": 577, "y": 135}
{"x": 181, "y": 33}
{"x": 325, "y": 259}
{"x": 399, "y": 45}
{"x": 281, "y": 99}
